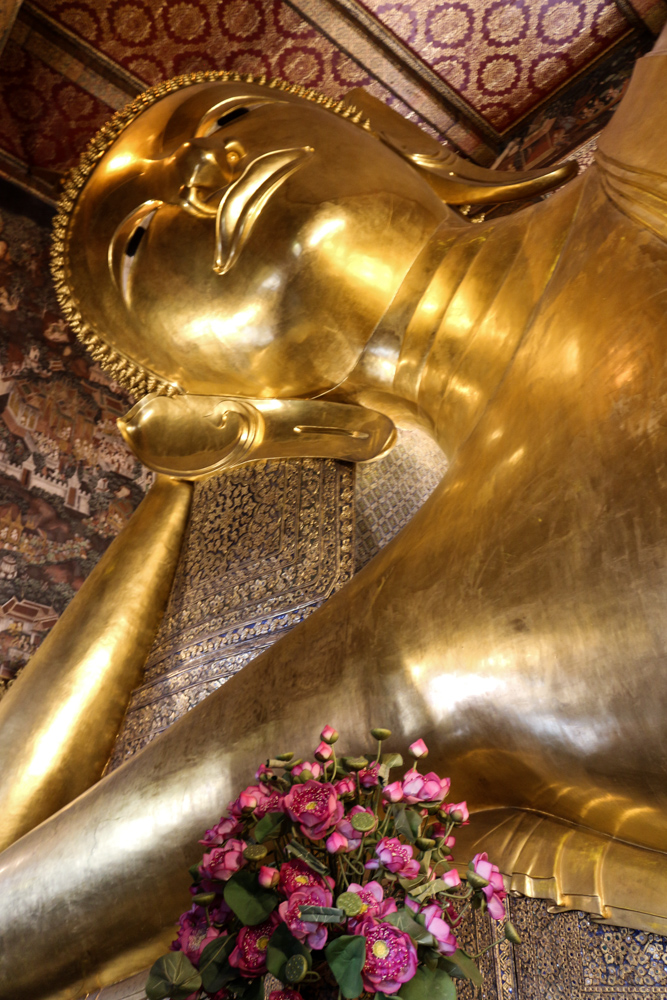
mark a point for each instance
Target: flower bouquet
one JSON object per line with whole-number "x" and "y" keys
{"x": 331, "y": 873}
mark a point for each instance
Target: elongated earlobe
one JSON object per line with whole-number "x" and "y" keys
{"x": 191, "y": 437}
{"x": 454, "y": 179}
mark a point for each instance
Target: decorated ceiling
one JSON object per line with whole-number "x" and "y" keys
{"x": 515, "y": 82}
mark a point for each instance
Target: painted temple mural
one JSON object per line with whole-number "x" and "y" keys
{"x": 67, "y": 482}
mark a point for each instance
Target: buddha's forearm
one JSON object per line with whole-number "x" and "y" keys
{"x": 59, "y": 721}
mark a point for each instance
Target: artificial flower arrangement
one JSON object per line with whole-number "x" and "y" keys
{"x": 331, "y": 871}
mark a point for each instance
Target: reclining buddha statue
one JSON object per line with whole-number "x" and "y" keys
{"x": 273, "y": 276}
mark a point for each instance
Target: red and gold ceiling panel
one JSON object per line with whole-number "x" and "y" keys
{"x": 502, "y": 57}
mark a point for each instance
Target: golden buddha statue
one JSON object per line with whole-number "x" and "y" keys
{"x": 281, "y": 280}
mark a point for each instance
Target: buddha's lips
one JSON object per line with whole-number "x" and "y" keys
{"x": 243, "y": 200}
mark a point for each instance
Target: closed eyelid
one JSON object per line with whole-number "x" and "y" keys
{"x": 125, "y": 242}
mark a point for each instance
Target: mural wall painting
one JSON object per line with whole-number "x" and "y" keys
{"x": 67, "y": 481}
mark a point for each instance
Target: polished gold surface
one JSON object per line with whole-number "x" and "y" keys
{"x": 517, "y": 623}
{"x": 58, "y": 722}
{"x": 194, "y": 436}
{"x": 456, "y": 181}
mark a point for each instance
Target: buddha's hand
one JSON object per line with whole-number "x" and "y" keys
{"x": 190, "y": 436}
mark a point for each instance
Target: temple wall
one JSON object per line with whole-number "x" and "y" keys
{"x": 68, "y": 483}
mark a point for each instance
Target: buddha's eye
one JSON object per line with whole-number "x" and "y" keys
{"x": 134, "y": 241}
{"x": 231, "y": 116}
{"x": 131, "y": 248}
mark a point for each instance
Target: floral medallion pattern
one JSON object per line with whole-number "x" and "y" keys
{"x": 503, "y": 57}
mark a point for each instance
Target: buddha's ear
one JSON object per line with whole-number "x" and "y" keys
{"x": 191, "y": 437}
{"x": 455, "y": 180}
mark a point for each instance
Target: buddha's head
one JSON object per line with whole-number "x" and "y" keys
{"x": 236, "y": 237}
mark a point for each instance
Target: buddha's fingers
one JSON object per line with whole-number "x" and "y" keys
{"x": 59, "y": 721}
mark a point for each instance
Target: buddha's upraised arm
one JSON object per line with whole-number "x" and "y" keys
{"x": 59, "y": 721}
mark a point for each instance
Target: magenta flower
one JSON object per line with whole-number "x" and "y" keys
{"x": 273, "y": 802}
{"x": 313, "y": 934}
{"x": 329, "y": 734}
{"x": 324, "y": 752}
{"x": 374, "y": 905}
{"x": 461, "y": 809}
{"x": 194, "y": 933}
{"x": 249, "y": 955}
{"x": 495, "y": 891}
{"x": 418, "y": 749}
{"x": 445, "y": 941}
{"x": 393, "y": 792}
{"x": 296, "y": 875}
{"x": 268, "y": 877}
{"x": 346, "y": 786}
{"x": 248, "y": 800}
{"x": 221, "y": 831}
{"x": 336, "y": 843}
{"x": 395, "y": 857}
{"x": 391, "y": 957}
{"x": 424, "y": 787}
{"x": 314, "y": 768}
{"x": 285, "y": 994}
{"x": 315, "y": 807}
{"x": 354, "y": 837}
{"x": 223, "y": 861}
{"x": 451, "y": 878}
{"x": 263, "y": 770}
{"x": 368, "y": 778}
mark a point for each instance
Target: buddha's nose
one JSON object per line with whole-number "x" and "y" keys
{"x": 200, "y": 169}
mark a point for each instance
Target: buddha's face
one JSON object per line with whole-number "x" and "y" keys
{"x": 237, "y": 239}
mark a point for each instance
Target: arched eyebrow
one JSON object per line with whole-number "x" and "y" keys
{"x": 231, "y": 110}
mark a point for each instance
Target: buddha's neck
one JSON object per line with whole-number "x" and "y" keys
{"x": 452, "y": 330}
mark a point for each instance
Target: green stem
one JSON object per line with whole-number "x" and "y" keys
{"x": 493, "y": 944}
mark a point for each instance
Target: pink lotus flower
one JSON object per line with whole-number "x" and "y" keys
{"x": 273, "y": 802}
{"x": 248, "y": 800}
{"x": 324, "y": 752}
{"x": 459, "y": 808}
{"x": 194, "y": 933}
{"x": 445, "y": 941}
{"x": 222, "y": 862}
{"x": 336, "y": 843}
{"x": 354, "y": 837}
{"x": 393, "y": 792}
{"x": 285, "y": 994}
{"x": 424, "y": 787}
{"x": 374, "y": 905}
{"x": 329, "y": 734}
{"x": 418, "y": 749}
{"x": 451, "y": 878}
{"x": 221, "y": 831}
{"x": 495, "y": 891}
{"x": 249, "y": 955}
{"x": 368, "y": 778}
{"x": 314, "y": 768}
{"x": 296, "y": 875}
{"x": 346, "y": 786}
{"x": 395, "y": 857}
{"x": 268, "y": 877}
{"x": 315, "y": 807}
{"x": 391, "y": 957}
{"x": 314, "y": 934}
